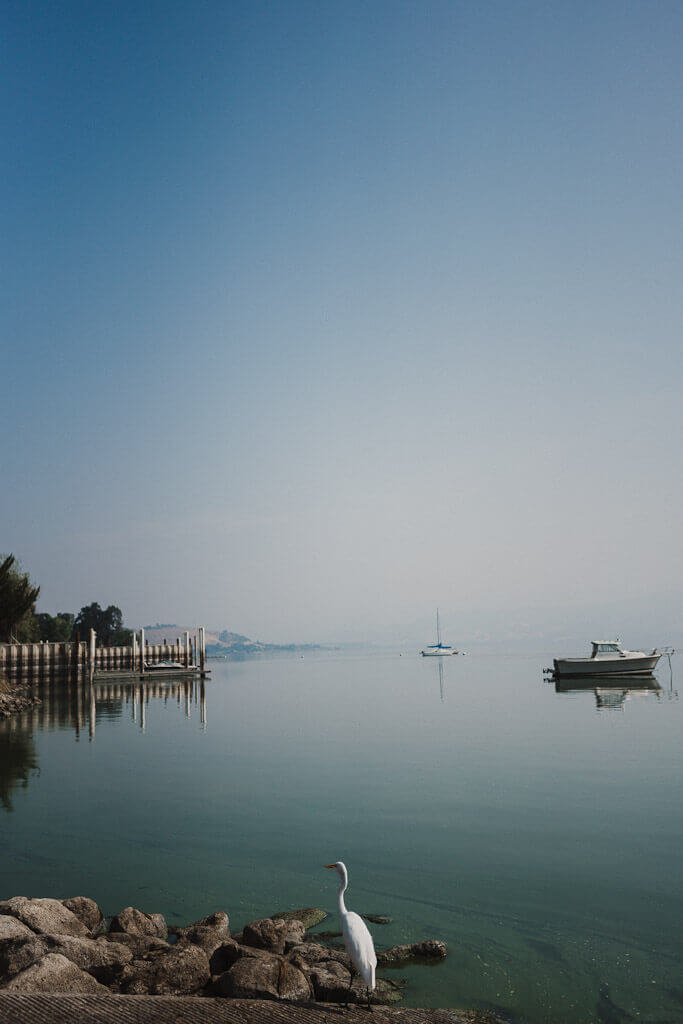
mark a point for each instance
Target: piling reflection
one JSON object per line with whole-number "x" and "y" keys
{"x": 80, "y": 705}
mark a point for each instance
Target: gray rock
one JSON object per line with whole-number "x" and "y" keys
{"x": 429, "y": 949}
{"x": 87, "y": 911}
{"x": 135, "y": 922}
{"x": 267, "y": 977}
{"x": 139, "y": 945}
{"x": 386, "y": 992}
{"x": 330, "y": 981}
{"x": 104, "y": 960}
{"x": 44, "y": 916}
{"x": 266, "y": 934}
{"x": 314, "y": 953}
{"x": 12, "y": 928}
{"x": 180, "y": 971}
{"x": 309, "y": 916}
{"x": 253, "y": 953}
{"x": 294, "y": 935}
{"x": 208, "y": 933}
{"x": 19, "y": 952}
{"x": 53, "y": 973}
{"x": 224, "y": 956}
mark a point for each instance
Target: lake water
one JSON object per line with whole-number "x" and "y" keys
{"x": 540, "y": 834}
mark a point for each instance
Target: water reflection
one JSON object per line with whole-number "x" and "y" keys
{"x": 436, "y": 666}
{"x": 80, "y": 705}
{"x": 612, "y": 694}
{"x": 18, "y": 759}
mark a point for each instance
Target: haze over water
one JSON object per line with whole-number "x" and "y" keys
{"x": 536, "y": 832}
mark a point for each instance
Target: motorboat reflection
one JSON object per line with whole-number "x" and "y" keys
{"x": 612, "y": 693}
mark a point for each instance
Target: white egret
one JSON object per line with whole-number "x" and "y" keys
{"x": 357, "y": 938}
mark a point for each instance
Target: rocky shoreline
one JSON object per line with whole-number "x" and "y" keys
{"x": 64, "y": 946}
{"x": 14, "y": 698}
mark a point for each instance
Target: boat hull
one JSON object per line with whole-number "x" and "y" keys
{"x": 600, "y": 667}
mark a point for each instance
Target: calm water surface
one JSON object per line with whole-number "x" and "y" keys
{"x": 540, "y": 834}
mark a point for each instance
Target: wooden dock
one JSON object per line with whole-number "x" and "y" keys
{"x": 86, "y": 659}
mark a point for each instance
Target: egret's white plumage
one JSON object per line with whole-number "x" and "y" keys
{"x": 357, "y": 938}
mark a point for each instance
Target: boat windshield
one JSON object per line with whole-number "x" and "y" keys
{"x": 600, "y": 650}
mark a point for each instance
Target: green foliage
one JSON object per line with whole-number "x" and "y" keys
{"x": 17, "y": 602}
{"x": 54, "y": 628}
{"x": 107, "y": 623}
{"x": 123, "y": 638}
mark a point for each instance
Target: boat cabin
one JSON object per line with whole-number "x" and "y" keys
{"x": 607, "y": 649}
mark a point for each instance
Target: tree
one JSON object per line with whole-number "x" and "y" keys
{"x": 54, "y": 628}
{"x": 17, "y": 601}
{"x": 107, "y": 623}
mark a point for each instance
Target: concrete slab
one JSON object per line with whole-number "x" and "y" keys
{"x": 40, "y": 1008}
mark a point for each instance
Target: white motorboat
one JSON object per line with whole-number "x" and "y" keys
{"x": 168, "y": 666}
{"x": 609, "y": 658}
{"x": 437, "y": 650}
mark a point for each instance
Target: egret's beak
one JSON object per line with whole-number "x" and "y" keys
{"x": 329, "y": 865}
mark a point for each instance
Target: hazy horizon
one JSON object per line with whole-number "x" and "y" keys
{"x": 318, "y": 317}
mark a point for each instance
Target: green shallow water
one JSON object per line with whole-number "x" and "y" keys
{"x": 538, "y": 833}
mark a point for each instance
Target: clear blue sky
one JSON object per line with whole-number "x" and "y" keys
{"x": 316, "y": 315}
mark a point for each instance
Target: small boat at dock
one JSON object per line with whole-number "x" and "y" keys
{"x": 168, "y": 666}
{"x": 609, "y": 658}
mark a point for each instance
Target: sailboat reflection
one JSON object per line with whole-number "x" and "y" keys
{"x": 613, "y": 694}
{"x": 438, "y": 670}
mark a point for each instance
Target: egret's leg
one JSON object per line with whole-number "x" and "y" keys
{"x": 369, "y": 1003}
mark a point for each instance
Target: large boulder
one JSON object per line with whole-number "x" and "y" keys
{"x": 139, "y": 945}
{"x": 12, "y": 928}
{"x": 87, "y": 911}
{"x": 427, "y": 950}
{"x": 53, "y": 973}
{"x": 329, "y": 972}
{"x": 309, "y": 916}
{"x": 295, "y": 934}
{"x": 180, "y": 971}
{"x": 45, "y": 916}
{"x": 224, "y": 956}
{"x": 135, "y": 922}
{"x": 19, "y": 952}
{"x": 209, "y": 933}
{"x": 104, "y": 960}
{"x": 264, "y": 977}
{"x": 315, "y": 953}
{"x": 330, "y": 981}
{"x": 266, "y": 934}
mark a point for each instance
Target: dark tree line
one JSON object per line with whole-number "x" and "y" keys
{"x": 19, "y": 620}
{"x": 18, "y": 599}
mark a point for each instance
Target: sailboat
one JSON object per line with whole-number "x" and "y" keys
{"x": 437, "y": 650}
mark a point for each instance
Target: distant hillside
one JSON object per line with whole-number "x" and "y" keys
{"x": 220, "y": 642}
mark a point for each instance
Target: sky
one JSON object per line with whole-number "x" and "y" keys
{"x": 319, "y": 315}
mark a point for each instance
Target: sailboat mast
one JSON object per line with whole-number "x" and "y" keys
{"x": 438, "y": 628}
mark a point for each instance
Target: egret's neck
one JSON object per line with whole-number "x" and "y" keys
{"x": 340, "y": 898}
